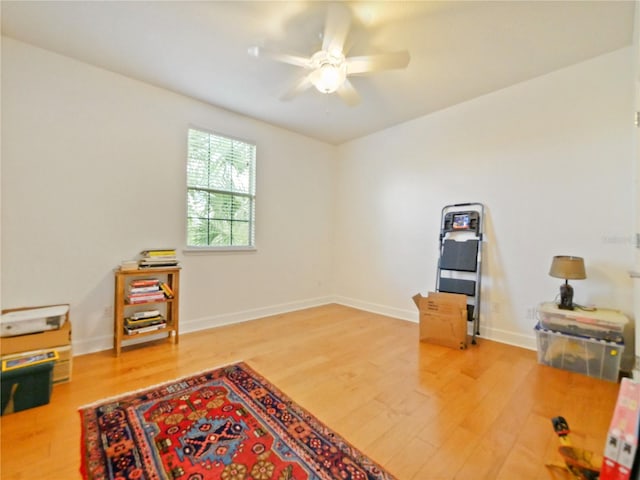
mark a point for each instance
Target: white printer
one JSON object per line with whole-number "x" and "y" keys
{"x": 33, "y": 320}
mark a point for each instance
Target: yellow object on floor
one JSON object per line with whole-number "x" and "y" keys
{"x": 579, "y": 464}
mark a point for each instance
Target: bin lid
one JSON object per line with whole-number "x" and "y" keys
{"x": 539, "y": 328}
{"x": 597, "y": 316}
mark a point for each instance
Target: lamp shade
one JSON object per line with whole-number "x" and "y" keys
{"x": 568, "y": 267}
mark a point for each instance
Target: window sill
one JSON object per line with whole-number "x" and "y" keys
{"x": 213, "y": 250}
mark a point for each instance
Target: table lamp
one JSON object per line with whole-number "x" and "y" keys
{"x": 569, "y": 268}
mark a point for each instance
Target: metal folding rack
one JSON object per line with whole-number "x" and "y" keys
{"x": 460, "y": 263}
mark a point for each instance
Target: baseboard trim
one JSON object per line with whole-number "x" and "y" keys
{"x": 409, "y": 315}
{"x": 106, "y": 342}
{"x": 493, "y": 334}
{"x": 92, "y": 345}
{"x": 509, "y": 338}
{"x": 252, "y": 314}
{"x": 102, "y": 343}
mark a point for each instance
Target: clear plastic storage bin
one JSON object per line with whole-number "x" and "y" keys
{"x": 601, "y": 323}
{"x": 595, "y": 358}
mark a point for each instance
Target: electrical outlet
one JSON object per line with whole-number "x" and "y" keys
{"x": 531, "y": 313}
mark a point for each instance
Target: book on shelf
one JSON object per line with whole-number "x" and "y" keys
{"x": 145, "y": 314}
{"x": 128, "y": 265}
{"x": 145, "y": 297}
{"x": 161, "y": 257}
{"x": 154, "y": 293}
{"x": 159, "y": 252}
{"x": 166, "y": 289}
{"x": 150, "y": 328}
{"x": 151, "y": 288}
{"x": 159, "y": 261}
{"x": 149, "y": 299}
{"x": 153, "y": 265}
{"x": 144, "y": 282}
{"x": 144, "y": 322}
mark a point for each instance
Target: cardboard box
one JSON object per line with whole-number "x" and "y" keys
{"x": 443, "y": 319}
{"x": 64, "y": 365}
{"x": 37, "y": 341}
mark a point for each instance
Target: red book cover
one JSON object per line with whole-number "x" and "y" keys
{"x": 144, "y": 282}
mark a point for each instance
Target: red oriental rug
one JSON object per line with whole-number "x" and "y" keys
{"x": 229, "y": 424}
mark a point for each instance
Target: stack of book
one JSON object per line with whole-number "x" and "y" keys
{"x": 128, "y": 265}
{"x": 159, "y": 258}
{"x": 146, "y": 290}
{"x": 145, "y": 321}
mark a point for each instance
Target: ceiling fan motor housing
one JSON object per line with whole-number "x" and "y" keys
{"x": 329, "y": 70}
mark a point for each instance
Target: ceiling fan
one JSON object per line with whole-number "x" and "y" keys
{"x": 327, "y": 69}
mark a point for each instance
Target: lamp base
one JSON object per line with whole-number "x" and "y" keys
{"x": 565, "y": 307}
{"x": 566, "y": 297}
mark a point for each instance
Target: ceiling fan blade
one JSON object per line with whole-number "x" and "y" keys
{"x": 296, "y": 60}
{"x": 348, "y": 93}
{"x": 336, "y": 27}
{"x": 376, "y": 63}
{"x": 302, "y": 84}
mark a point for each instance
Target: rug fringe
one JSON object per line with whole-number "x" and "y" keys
{"x": 157, "y": 385}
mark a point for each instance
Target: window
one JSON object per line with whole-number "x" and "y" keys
{"x": 220, "y": 191}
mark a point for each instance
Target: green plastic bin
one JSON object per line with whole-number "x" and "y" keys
{"x": 26, "y": 387}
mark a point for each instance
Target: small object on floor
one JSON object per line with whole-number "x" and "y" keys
{"x": 580, "y": 464}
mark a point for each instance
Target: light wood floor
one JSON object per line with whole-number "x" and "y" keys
{"x": 422, "y": 411}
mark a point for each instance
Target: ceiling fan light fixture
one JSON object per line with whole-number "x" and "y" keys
{"x": 329, "y": 77}
{"x": 328, "y": 70}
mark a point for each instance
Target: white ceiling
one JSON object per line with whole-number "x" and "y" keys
{"x": 459, "y": 50}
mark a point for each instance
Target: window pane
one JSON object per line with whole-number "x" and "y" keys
{"x": 220, "y": 176}
{"x": 198, "y": 203}
{"x": 221, "y": 206}
{"x": 240, "y": 233}
{"x": 220, "y": 233}
{"x": 197, "y": 232}
{"x": 241, "y": 208}
{"x": 198, "y": 160}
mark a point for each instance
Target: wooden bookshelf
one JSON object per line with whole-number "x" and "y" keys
{"x": 168, "y": 307}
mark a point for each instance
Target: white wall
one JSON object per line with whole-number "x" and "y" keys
{"x": 93, "y": 172}
{"x": 550, "y": 158}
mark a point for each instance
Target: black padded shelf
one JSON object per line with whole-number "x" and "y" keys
{"x": 455, "y": 285}
{"x": 460, "y": 256}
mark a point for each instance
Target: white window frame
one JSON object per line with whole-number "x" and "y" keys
{"x": 190, "y": 249}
